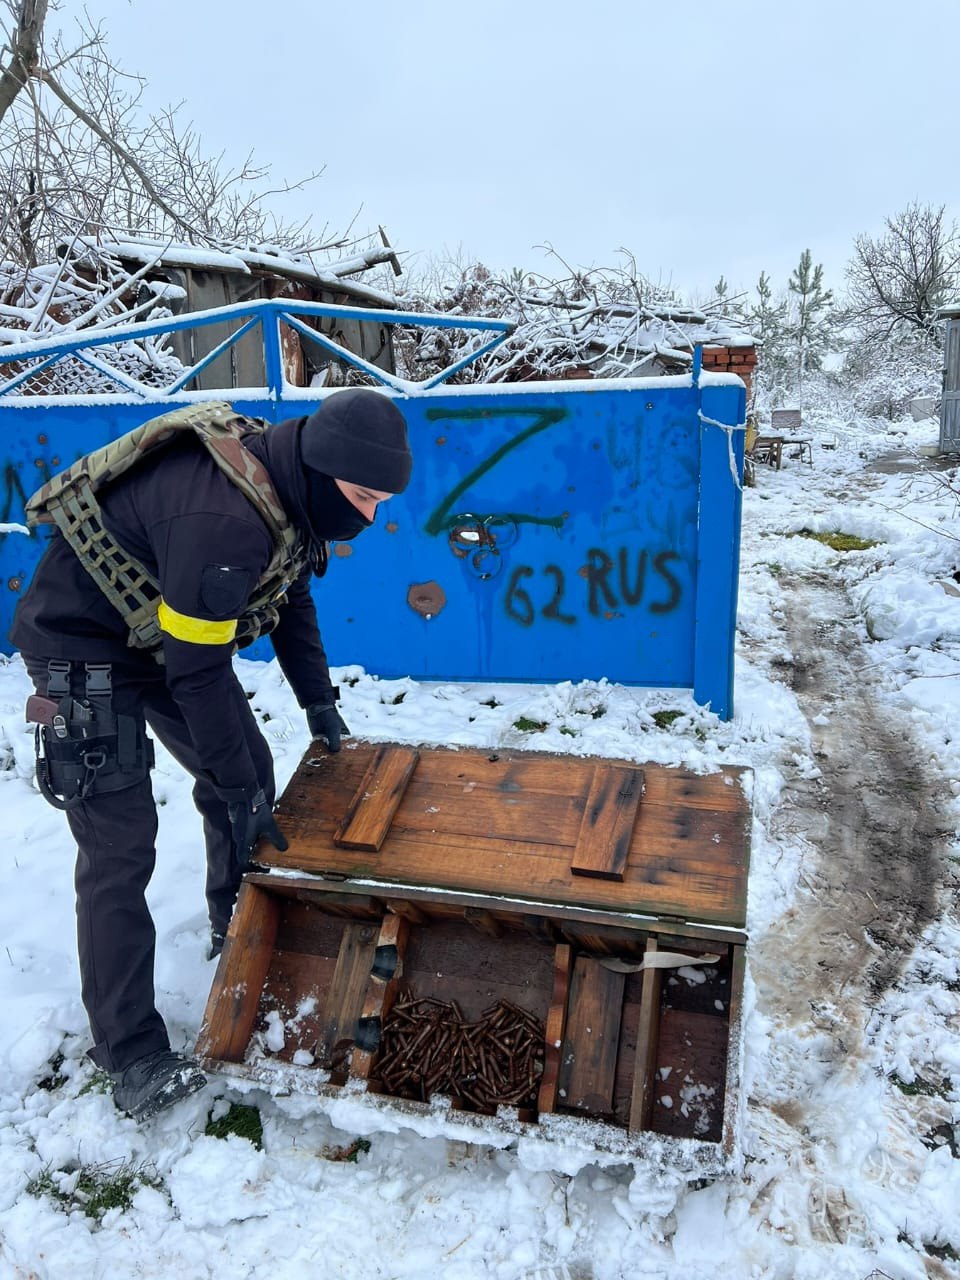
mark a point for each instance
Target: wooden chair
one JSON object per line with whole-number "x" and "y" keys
{"x": 787, "y": 424}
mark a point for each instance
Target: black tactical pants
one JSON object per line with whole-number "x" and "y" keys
{"x": 115, "y": 835}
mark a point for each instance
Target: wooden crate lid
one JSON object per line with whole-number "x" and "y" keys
{"x": 522, "y": 825}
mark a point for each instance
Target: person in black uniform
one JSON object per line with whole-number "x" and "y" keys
{"x": 180, "y": 517}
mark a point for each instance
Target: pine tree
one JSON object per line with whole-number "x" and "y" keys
{"x": 767, "y": 319}
{"x": 810, "y": 327}
{"x": 724, "y": 304}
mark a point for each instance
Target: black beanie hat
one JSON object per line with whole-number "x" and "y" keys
{"x": 359, "y": 436}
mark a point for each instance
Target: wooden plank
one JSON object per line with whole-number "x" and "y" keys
{"x": 691, "y": 1075}
{"x": 626, "y": 1057}
{"x": 555, "y": 1027}
{"x": 348, "y": 987}
{"x": 451, "y": 948}
{"x": 734, "y": 1031}
{"x": 235, "y": 995}
{"x": 603, "y": 843}
{"x": 500, "y": 823}
{"x": 374, "y": 804}
{"x": 524, "y": 810}
{"x": 645, "y": 1060}
{"x": 448, "y": 905}
{"x": 306, "y": 928}
{"x": 692, "y": 878}
{"x": 312, "y": 890}
{"x": 449, "y": 774}
{"x": 381, "y": 991}
{"x": 297, "y": 987}
{"x": 588, "y": 1059}
{"x": 501, "y": 809}
{"x": 669, "y": 842}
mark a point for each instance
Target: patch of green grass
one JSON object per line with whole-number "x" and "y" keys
{"x": 99, "y": 1082}
{"x": 570, "y": 733}
{"x": 242, "y": 1120}
{"x": 94, "y": 1189}
{"x": 526, "y": 725}
{"x": 920, "y": 1088}
{"x": 836, "y": 540}
{"x": 664, "y": 719}
{"x": 775, "y": 567}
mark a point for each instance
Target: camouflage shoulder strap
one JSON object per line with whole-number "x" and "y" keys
{"x": 69, "y": 501}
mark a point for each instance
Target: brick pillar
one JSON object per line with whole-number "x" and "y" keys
{"x": 739, "y": 360}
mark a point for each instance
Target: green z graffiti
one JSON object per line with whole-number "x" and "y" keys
{"x": 441, "y": 518}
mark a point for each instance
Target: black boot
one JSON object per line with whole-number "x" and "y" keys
{"x": 155, "y": 1082}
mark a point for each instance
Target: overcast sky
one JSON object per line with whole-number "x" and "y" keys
{"x": 708, "y": 139}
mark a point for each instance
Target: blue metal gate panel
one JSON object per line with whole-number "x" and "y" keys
{"x": 550, "y": 532}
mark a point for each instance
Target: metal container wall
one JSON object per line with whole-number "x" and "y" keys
{"x": 950, "y": 407}
{"x": 551, "y": 531}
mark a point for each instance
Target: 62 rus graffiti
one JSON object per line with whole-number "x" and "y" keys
{"x": 608, "y": 583}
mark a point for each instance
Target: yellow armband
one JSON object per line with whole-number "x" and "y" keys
{"x": 195, "y": 630}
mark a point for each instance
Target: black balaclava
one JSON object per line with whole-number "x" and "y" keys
{"x": 333, "y": 517}
{"x": 358, "y": 436}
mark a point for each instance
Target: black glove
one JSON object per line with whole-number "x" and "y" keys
{"x": 250, "y": 818}
{"x": 326, "y": 722}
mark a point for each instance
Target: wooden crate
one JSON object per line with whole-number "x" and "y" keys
{"x": 509, "y": 910}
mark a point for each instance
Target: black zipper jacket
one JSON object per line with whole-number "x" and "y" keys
{"x": 207, "y": 546}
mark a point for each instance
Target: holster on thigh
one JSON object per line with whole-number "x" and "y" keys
{"x": 83, "y": 748}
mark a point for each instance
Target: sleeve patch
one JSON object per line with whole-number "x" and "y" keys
{"x": 224, "y": 590}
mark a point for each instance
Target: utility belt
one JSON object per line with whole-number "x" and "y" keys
{"x": 83, "y": 748}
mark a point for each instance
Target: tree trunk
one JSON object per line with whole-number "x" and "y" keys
{"x": 25, "y": 42}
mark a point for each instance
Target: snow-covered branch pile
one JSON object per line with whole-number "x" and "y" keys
{"x": 602, "y": 323}
{"x": 116, "y": 280}
{"x": 60, "y": 299}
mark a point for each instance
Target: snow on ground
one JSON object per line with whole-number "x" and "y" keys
{"x": 867, "y": 1185}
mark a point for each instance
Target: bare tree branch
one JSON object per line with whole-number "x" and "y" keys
{"x": 120, "y": 152}
{"x": 897, "y": 281}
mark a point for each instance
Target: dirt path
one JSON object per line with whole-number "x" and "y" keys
{"x": 872, "y": 879}
{"x": 875, "y": 815}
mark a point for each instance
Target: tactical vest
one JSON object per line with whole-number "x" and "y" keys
{"x": 69, "y": 501}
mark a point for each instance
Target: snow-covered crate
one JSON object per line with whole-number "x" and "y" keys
{"x": 514, "y": 940}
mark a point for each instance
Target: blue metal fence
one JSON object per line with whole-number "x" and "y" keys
{"x": 552, "y": 531}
